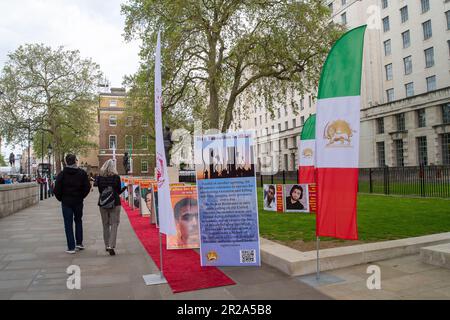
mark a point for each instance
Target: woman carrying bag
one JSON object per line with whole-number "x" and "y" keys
{"x": 108, "y": 184}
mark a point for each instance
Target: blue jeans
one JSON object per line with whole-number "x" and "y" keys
{"x": 71, "y": 214}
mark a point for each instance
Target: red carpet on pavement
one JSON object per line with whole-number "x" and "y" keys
{"x": 181, "y": 267}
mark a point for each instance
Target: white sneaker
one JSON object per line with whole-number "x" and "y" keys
{"x": 80, "y": 247}
{"x": 70, "y": 251}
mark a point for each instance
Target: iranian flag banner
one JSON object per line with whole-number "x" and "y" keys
{"x": 337, "y": 137}
{"x": 307, "y": 148}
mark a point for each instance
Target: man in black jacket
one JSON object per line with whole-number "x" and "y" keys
{"x": 71, "y": 187}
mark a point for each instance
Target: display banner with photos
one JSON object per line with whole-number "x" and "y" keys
{"x": 296, "y": 198}
{"x": 147, "y": 205}
{"x": 185, "y": 210}
{"x": 227, "y": 200}
{"x": 136, "y": 194}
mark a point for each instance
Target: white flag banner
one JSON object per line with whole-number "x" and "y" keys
{"x": 114, "y": 153}
{"x": 165, "y": 210}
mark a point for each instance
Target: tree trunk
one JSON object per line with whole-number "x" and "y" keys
{"x": 213, "y": 108}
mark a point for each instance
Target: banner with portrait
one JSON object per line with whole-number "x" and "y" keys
{"x": 296, "y": 198}
{"x": 136, "y": 195}
{"x": 185, "y": 210}
{"x": 273, "y": 197}
{"x": 227, "y": 200}
{"x": 146, "y": 197}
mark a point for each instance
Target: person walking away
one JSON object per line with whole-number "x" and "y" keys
{"x": 71, "y": 187}
{"x": 108, "y": 183}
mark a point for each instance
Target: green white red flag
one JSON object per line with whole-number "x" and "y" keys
{"x": 337, "y": 137}
{"x": 307, "y": 151}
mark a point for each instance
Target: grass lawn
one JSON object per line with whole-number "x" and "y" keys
{"x": 379, "y": 218}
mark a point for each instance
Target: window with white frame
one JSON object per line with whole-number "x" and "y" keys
{"x": 409, "y": 88}
{"x": 384, "y": 4}
{"x": 387, "y": 47}
{"x": 407, "y": 63}
{"x": 129, "y": 121}
{"x": 404, "y": 14}
{"x": 425, "y": 5}
{"x": 390, "y": 95}
{"x": 429, "y": 57}
{"x": 144, "y": 166}
{"x": 144, "y": 141}
{"x": 427, "y": 31}
{"x": 386, "y": 26}
{"x": 112, "y": 141}
{"x": 128, "y": 142}
{"x": 113, "y": 103}
{"x": 112, "y": 120}
{"x": 388, "y": 68}
{"x": 431, "y": 83}
{"x": 406, "y": 39}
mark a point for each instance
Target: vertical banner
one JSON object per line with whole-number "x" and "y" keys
{"x": 165, "y": 211}
{"x": 155, "y": 217}
{"x": 227, "y": 200}
{"x": 312, "y": 190}
{"x": 273, "y": 197}
{"x": 130, "y": 192}
{"x": 185, "y": 210}
{"x": 147, "y": 208}
{"x": 307, "y": 151}
{"x": 136, "y": 195}
{"x": 337, "y": 137}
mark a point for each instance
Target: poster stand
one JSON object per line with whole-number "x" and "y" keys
{"x": 154, "y": 278}
{"x": 317, "y": 258}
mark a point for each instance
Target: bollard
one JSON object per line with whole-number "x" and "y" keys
{"x": 41, "y": 191}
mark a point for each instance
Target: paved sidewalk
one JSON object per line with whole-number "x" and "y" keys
{"x": 33, "y": 264}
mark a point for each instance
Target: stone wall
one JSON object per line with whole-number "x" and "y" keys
{"x": 15, "y": 197}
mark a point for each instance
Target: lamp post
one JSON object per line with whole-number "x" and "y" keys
{"x": 49, "y": 152}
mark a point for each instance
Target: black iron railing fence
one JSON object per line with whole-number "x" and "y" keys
{"x": 423, "y": 181}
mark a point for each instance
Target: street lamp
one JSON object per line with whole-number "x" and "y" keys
{"x": 49, "y": 152}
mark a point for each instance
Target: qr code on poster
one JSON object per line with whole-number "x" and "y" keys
{"x": 248, "y": 256}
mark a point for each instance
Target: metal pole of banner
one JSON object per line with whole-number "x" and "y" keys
{"x": 317, "y": 266}
{"x": 154, "y": 278}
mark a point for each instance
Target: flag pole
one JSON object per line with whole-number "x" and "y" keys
{"x": 317, "y": 264}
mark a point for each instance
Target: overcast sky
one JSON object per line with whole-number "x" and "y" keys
{"x": 94, "y": 27}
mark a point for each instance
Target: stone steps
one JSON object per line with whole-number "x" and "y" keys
{"x": 438, "y": 255}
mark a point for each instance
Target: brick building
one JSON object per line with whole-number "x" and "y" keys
{"x": 117, "y": 128}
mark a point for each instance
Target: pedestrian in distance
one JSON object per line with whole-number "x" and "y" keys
{"x": 108, "y": 183}
{"x": 71, "y": 187}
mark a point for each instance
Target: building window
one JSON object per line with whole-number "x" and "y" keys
{"x": 421, "y": 122}
{"x": 286, "y": 125}
{"x": 256, "y": 122}
{"x": 400, "y": 119}
{"x": 113, "y": 103}
{"x": 406, "y": 39}
{"x": 286, "y": 162}
{"x": 409, "y": 88}
{"x": 404, "y": 14}
{"x": 279, "y": 113}
{"x": 128, "y": 142}
{"x": 446, "y": 113}
{"x": 344, "y": 18}
{"x": 425, "y": 5}
{"x": 431, "y": 83}
{"x": 390, "y": 95}
{"x": 388, "y": 69}
{"x": 285, "y": 111}
{"x": 384, "y": 4}
{"x": 267, "y": 131}
{"x": 294, "y": 123}
{"x": 386, "y": 24}
{"x": 112, "y": 121}
{"x": 387, "y": 47}
{"x": 407, "y": 63}
{"x": 380, "y": 153}
{"x": 343, "y": 2}
{"x": 398, "y": 145}
{"x": 144, "y": 141}
{"x": 260, "y": 119}
{"x": 422, "y": 150}
{"x": 265, "y": 116}
{"x": 302, "y": 103}
{"x": 310, "y": 101}
{"x": 112, "y": 142}
{"x": 447, "y": 15}
{"x": 380, "y": 125}
{"x": 279, "y": 127}
{"x": 445, "y": 143}
{"x": 302, "y": 120}
{"x": 144, "y": 166}
{"x": 429, "y": 57}
{"x": 145, "y": 123}
{"x": 427, "y": 32}
{"x": 129, "y": 121}
{"x": 285, "y": 143}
